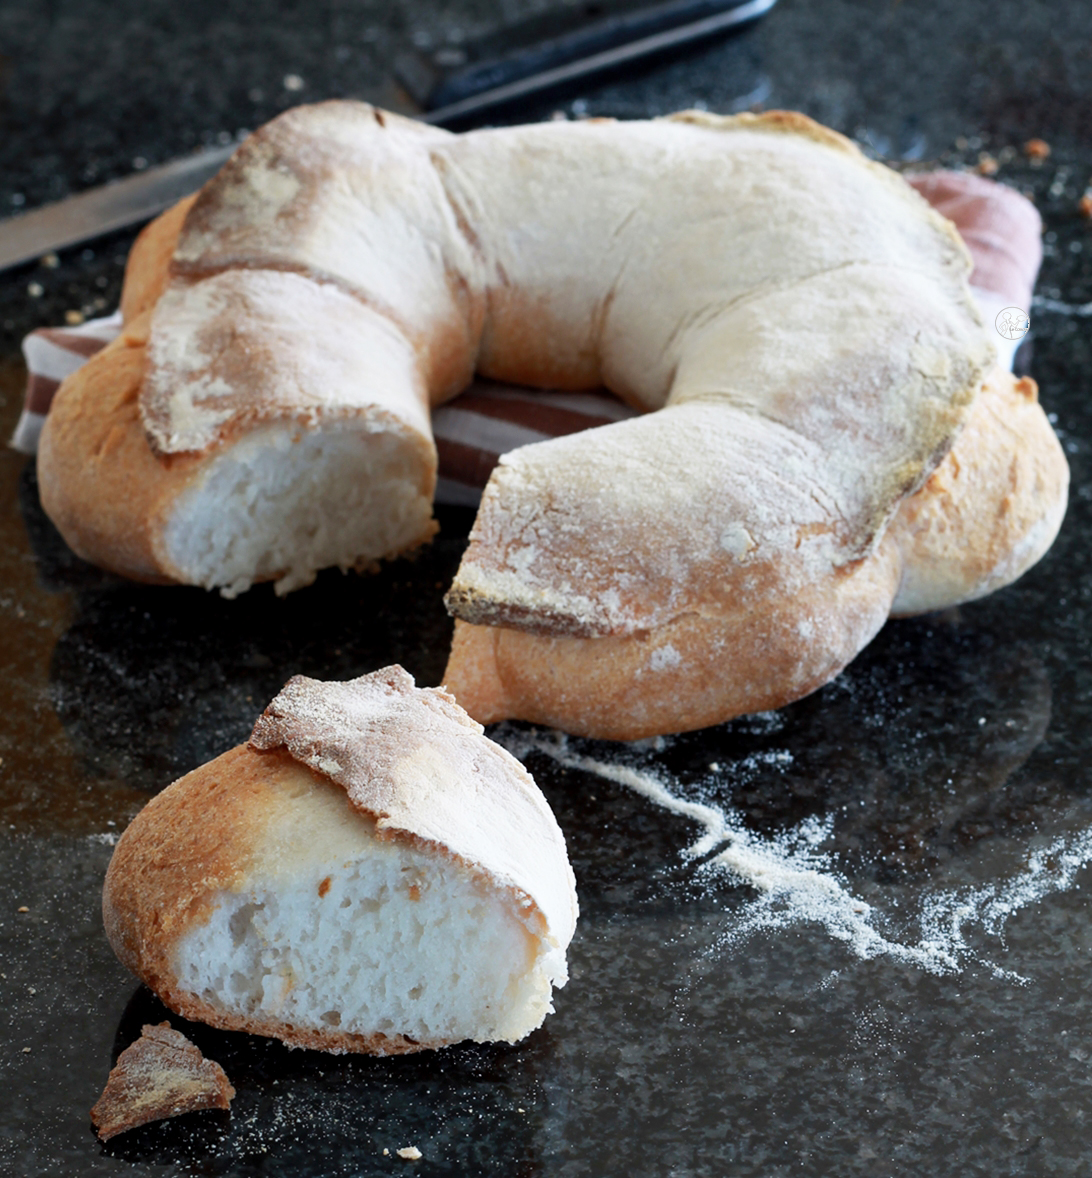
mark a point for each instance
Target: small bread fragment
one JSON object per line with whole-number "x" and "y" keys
{"x": 161, "y": 1075}
{"x": 369, "y": 873}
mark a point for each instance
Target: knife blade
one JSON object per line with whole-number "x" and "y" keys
{"x": 500, "y": 80}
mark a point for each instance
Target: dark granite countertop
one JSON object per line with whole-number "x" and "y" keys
{"x": 920, "y": 1004}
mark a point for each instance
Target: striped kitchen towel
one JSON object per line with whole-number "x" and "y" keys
{"x": 1000, "y": 227}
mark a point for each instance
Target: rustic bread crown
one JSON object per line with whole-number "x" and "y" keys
{"x": 797, "y": 317}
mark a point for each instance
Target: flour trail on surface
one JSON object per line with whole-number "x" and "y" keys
{"x": 797, "y": 883}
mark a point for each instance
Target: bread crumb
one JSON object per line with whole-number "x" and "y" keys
{"x": 26, "y": 1050}
{"x": 73, "y": 318}
{"x": 410, "y": 1153}
{"x": 1084, "y": 206}
{"x": 987, "y": 165}
{"x": 161, "y": 1075}
{"x": 386, "y": 1152}
{"x": 24, "y": 908}
{"x": 1037, "y": 149}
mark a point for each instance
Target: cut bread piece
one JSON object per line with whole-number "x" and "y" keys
{"x": 319, "y": 467}
{"x": 369, "y": 873}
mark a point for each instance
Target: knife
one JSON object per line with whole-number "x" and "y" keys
{"x": 452, "y": 84}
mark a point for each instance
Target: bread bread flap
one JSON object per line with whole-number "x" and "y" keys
{"x": 370, "y": 873}
{"x": 415, "y": 762}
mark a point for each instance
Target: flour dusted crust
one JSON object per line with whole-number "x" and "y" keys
{"x": 795, "y": 316}
{"x": 411, "y": 770}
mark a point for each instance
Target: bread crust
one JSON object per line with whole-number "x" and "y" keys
{"x": 990, "y": 510}
{"x": 99, "y": 481}
{"x": 698, "y": 669}
{"x": 148, "y": 267}
{"x": 161, "y": 1075}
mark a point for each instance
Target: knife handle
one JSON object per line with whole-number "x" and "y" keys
{"x": 599, "y": 33}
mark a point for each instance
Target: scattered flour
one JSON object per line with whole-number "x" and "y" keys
{"x": 797, "y": 883}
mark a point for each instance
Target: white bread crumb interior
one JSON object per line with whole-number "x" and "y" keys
{"x": 284, "y": 502}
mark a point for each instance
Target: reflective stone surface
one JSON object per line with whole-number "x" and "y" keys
{"x": 878, "y": 964}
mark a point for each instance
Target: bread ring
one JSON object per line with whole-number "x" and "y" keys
{"x": 796, "y": 316}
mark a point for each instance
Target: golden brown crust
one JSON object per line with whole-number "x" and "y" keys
{"x": 990, "y": 509}
{"x": 161, "y": 1075}
{"x": 148, "y": 269}
{"x": 172, "y": 858}
{"x": 100, "y": 483}
{"x": 791, "y": 122}
{"x": 697, "y": 670}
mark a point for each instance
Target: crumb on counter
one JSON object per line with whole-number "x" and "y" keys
{"x": 161, "y": 1075}
{"x": 1037, "y": 149}
{"x": 410, "y": 1153}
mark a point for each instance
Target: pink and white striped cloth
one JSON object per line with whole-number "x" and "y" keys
{"x": 1000, "y": 227}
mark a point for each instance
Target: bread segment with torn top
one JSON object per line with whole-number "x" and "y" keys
{"x": 369, "y": 873}
{"x": 988, "y": 512}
